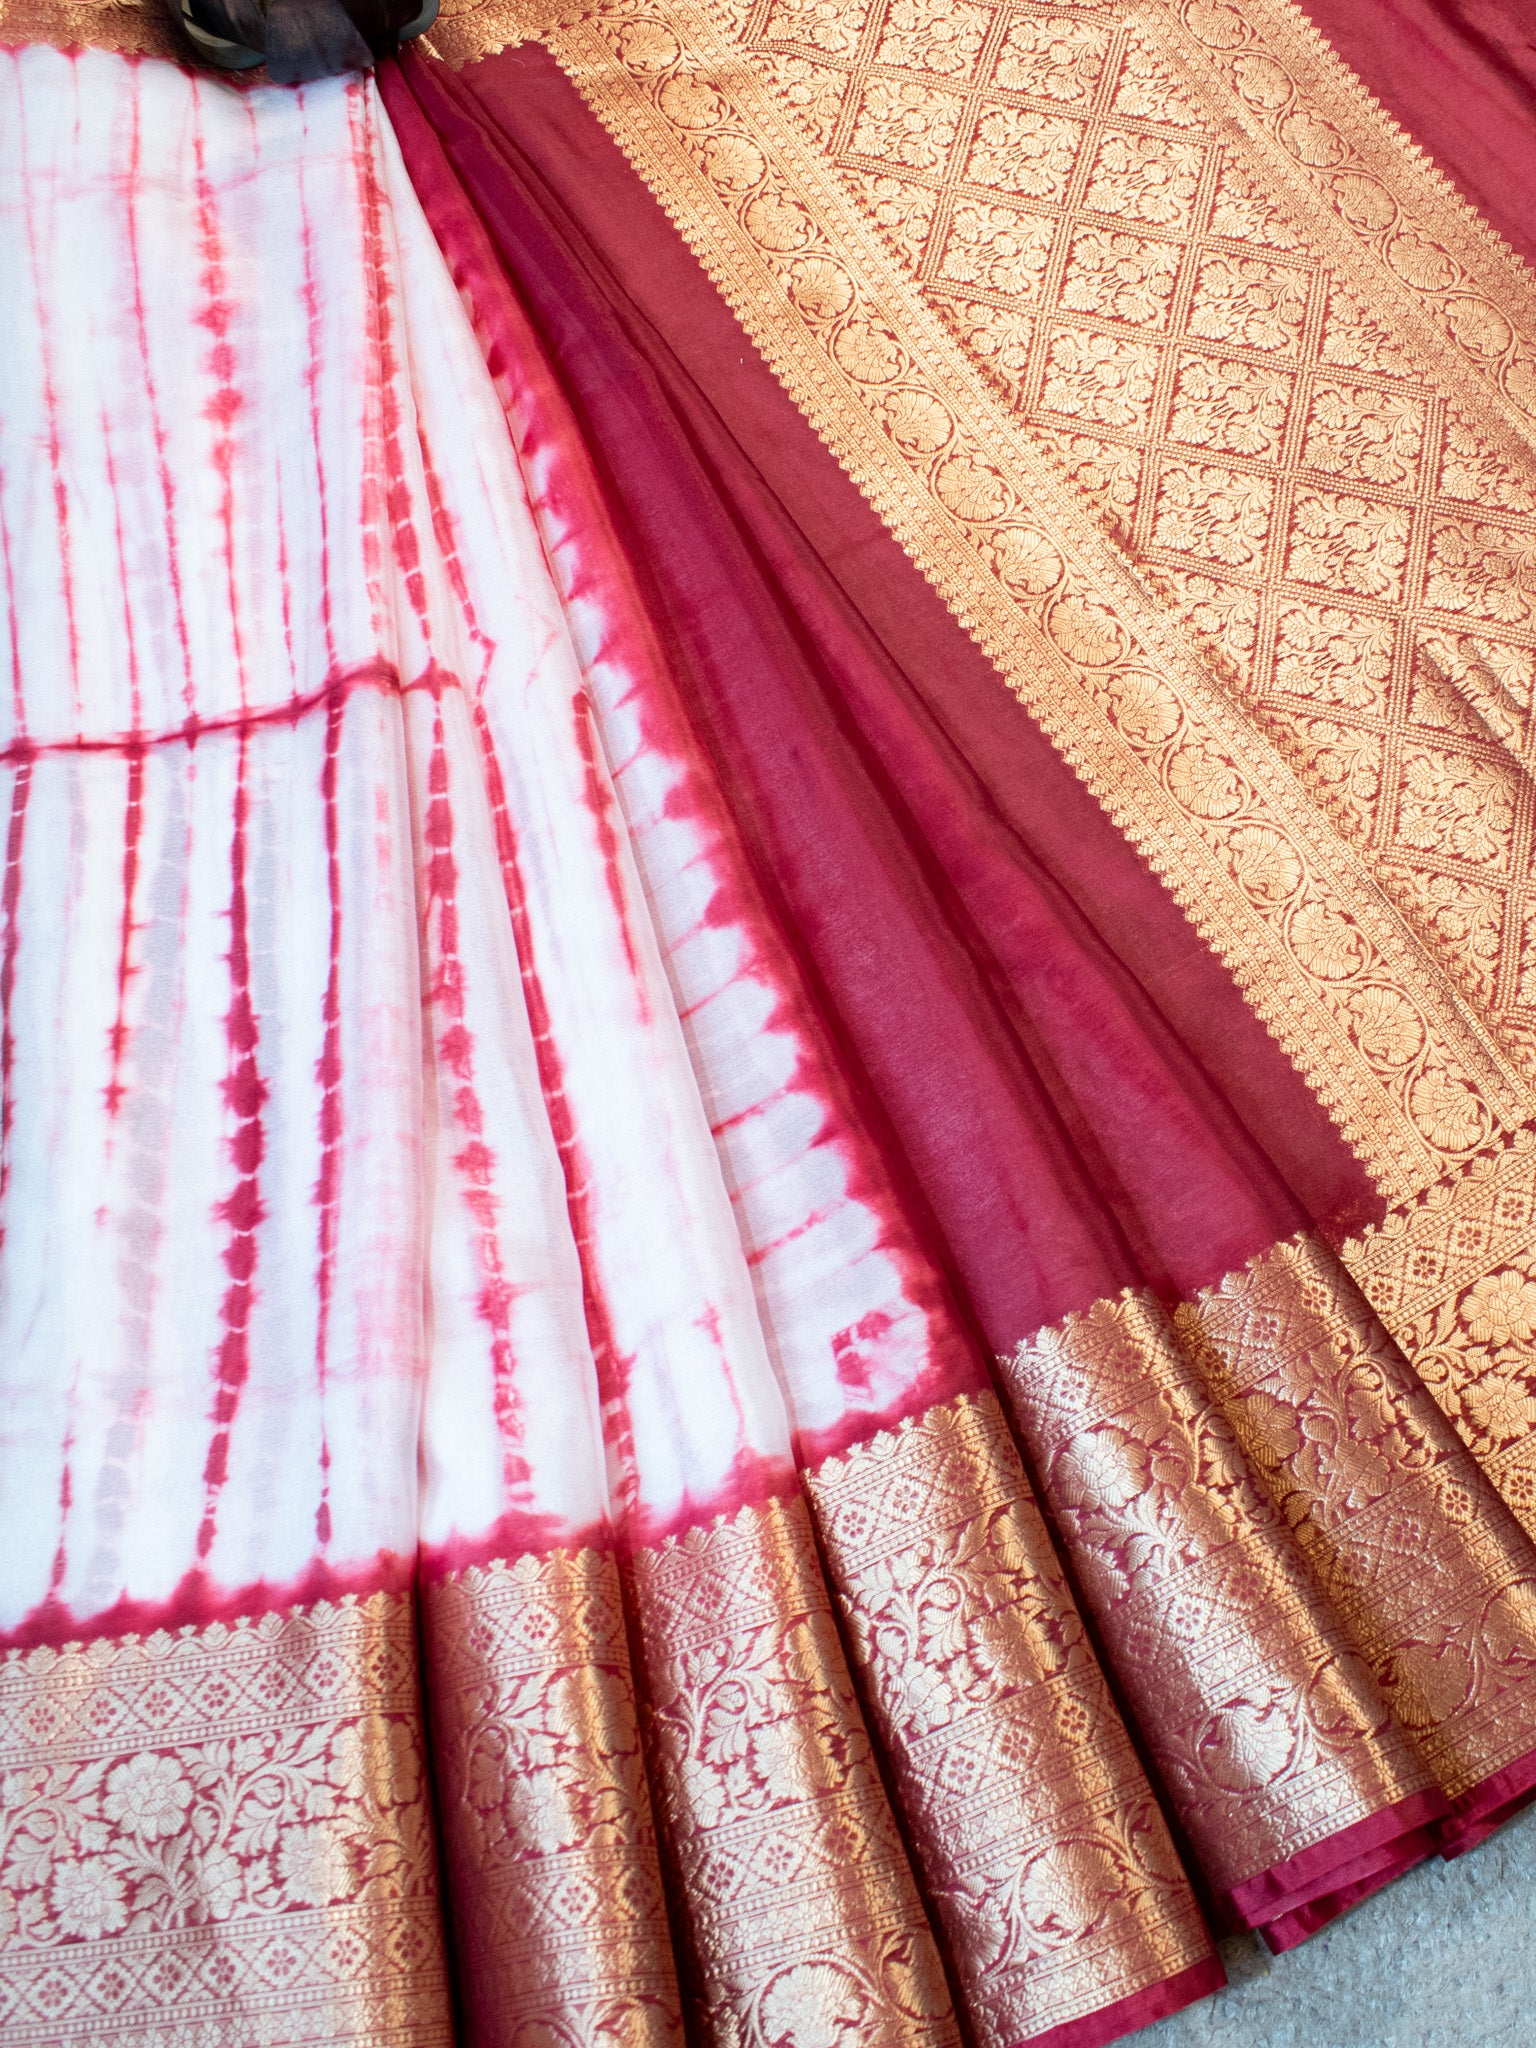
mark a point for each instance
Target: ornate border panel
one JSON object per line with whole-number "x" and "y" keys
{"x": 221, "y": 1833}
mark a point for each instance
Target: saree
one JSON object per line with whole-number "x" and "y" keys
{"x": 767, "y": 1157}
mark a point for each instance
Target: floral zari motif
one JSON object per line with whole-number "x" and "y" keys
{"x": 221, "y": 1833}
{"x": 1041, "y": 1846}
{"x": 546, "y": 1815}
{"x": 803, "y": 1917}
{"x": 1314, "y": 1598}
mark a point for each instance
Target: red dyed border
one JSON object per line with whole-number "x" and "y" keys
{"x": 1293, "y": 1899}
{"x": 1140, "y": 2010}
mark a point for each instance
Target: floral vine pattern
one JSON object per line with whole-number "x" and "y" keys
{"x": 987, "y": 359}
{"x": 559, "y": 1920}
{"x": 221, "y": 1833}
{"x": 803, "y": 1914}
{"x": 1268, "y": 1731}
{"x": 1036, "y": 1833}
{"x": 1310, "y": 1590}
{"x": 1430, "y": 1573}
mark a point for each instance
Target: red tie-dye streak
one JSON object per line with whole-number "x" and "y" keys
{"x": 133, "y": 808}
{"x": 475, "y": 1161}
{"x": 599, "y": 795}
{"x": 245, "y": 1092}
{"x": 54, "y": 414}
{"x": 328, "y": 1072}
{"x": 385, "y": 371}
{"x": 612, "y": 1366}
{"x": 224, "y": 407}
{"x": 589, "y": 565}
{"x": 66, "y": 1501}
{"x": 446, "y": 538}
{"x": 10, "y": 939}
{"x": 329, "y": 1068}
{"x": 133, "y": 823}
{"x": 315, "y": 329}
{"x": 365, "y": 675}
{"x": 145, "y": 358}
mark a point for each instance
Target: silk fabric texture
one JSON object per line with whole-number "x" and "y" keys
{"x": 483, "y": 1165}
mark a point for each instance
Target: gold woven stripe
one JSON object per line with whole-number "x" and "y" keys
{"x": 558, "y": 1915}
{"x": 1267, "y": 1727}
{"x": 221, "y": 1834}
{"x": 140, "y": 28}
{"x": 1041, "y": 1846}
{"x": 1429, "y": 1573}
{"x": 802, "y": 1913}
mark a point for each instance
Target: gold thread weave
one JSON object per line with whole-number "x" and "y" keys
{"x": 559, "y": 1922}
{"x": 1039, "y": 1841}
{"x": 223, "y": 1835}
{"x": 1267, "y": 1727}
{"x": 139, "y": 28}
{"x": 804, "y": 1919}
{"x": 1431, "y": 1576}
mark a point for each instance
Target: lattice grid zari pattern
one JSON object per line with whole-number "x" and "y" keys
{"x": 1353, "y": 546}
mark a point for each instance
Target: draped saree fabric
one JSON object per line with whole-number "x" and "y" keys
{"x": 766, "y": 1150}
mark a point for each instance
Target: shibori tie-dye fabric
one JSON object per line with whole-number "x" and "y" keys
{"x": 435, "y": 1231}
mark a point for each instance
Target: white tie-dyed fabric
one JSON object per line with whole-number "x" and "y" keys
{"x": 407, "y": 1139}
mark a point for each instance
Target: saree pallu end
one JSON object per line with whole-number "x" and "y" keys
{"x": 1315, "y": 1601}
{"x": 221, "y": 1835}
{"x": 560, "y": 1927}
{"x": 1038, "y": 1839}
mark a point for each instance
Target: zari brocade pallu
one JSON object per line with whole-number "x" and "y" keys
{"x": 767, "y": 1024}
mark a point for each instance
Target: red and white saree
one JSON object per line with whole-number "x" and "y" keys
{"x": 765, "y": 1052}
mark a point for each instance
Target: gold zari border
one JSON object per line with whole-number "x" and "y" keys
{"x": 801, "y": 1911}
{"x": 1313, "y": 1599}
{"x": 1036, "y": 1834}
{"x": 1452, "y": 1275}
{"x": 559, "y": 1923}
{"x": 1268, "y": 1731}
{"x": 139, "y": 28}
{"x": 222, "y": 1834}
{"x": 1431, "y": 1576}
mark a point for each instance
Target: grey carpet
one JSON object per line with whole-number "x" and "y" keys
{"x": 1445, "y": 1958}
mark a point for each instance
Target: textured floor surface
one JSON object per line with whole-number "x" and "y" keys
{"x": 1446, "y": 1958}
